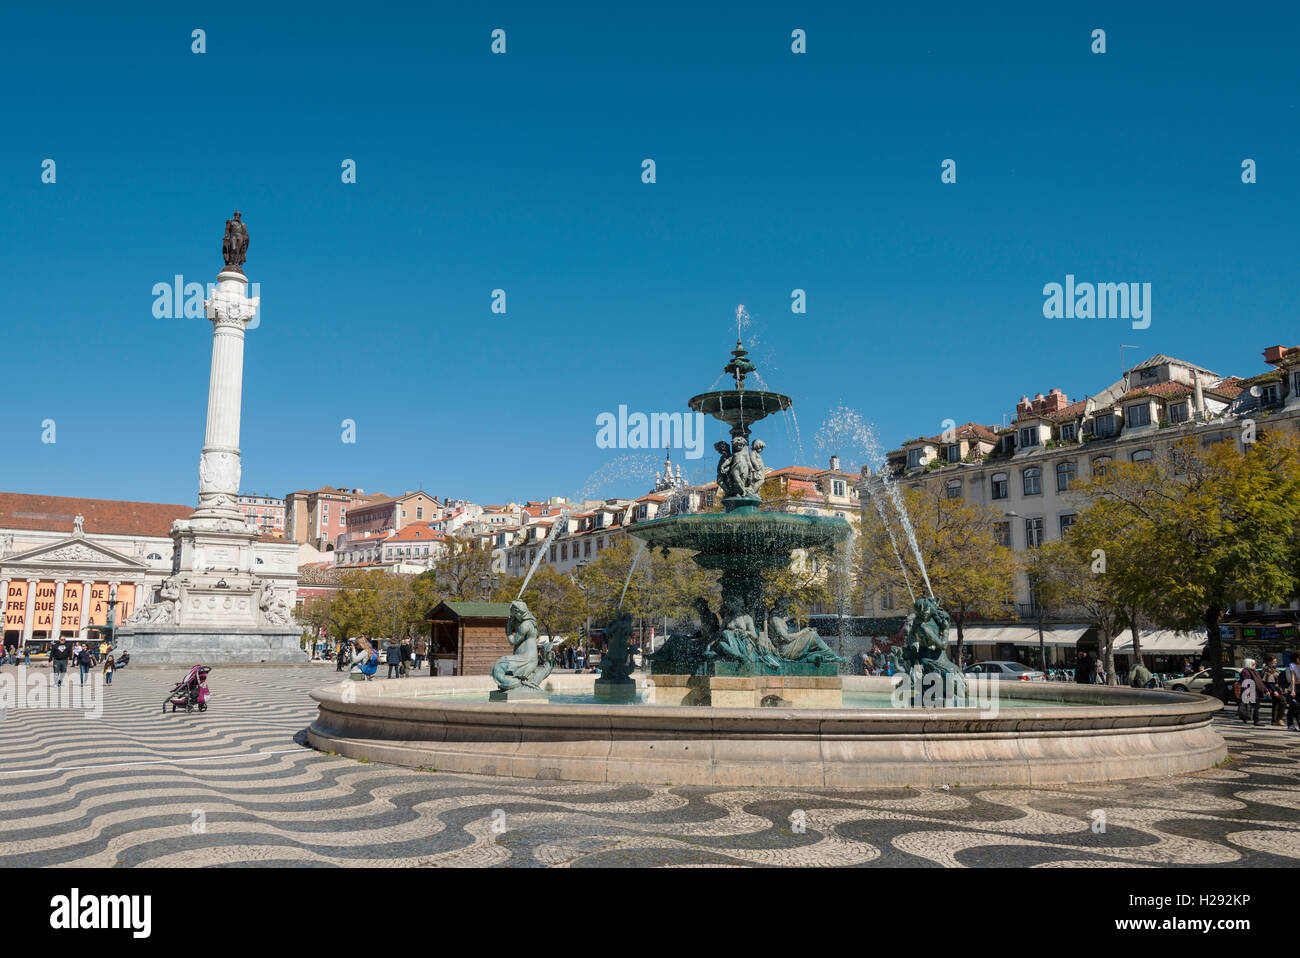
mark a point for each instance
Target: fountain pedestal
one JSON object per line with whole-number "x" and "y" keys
{"x": 732, "y": 685}
{"x": 614, "y": 688}
{"x": 518, "y": 695}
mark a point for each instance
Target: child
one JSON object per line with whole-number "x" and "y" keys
{"x": 109, "y": 665}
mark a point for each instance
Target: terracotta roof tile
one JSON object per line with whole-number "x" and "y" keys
{"x": 104, "y": 516}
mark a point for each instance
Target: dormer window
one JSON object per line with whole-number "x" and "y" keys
{"x": 1069, "y": 432}
{"x": 954, "y": 453}
{"x": 1148, "y": 374}
{"x": 837, "y": 487}
{"x": 1028, "y": 437}
{"x": 1105, "y": 426}
{"x": 915, "y": 458}
{"x": 1178, "y": 413}
{"x": 1139, "y": 415}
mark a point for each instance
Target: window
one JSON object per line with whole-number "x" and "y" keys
{"x": 1178, "y": 413}
{"x": 954, "y": 453}
{"x": 1099, "y": 465}
{"x": 1002, "y": 532}
{"x": 419, "y": 512}
{"x": 1149, "y": 374}
{"x": 1139, "y": 415}
{"x": 886, "y": 600}
{"x": 915, "y": 458}
{"x": 153, "y": 555}
{"x": 1067, "y": 520}
{"x": 1069, "y": 432}
{"x": 564, "y": 552}
{"x": 1295, "y": 383}
{"x": 640, "y": 511}
{"x": 1142, "y": 455}
{"x": 999, "y": 485}
{"x": 1105, "y": 426}
{"x": 1033, "y": 482}
{"x": 1270, "y": 394}
{"x": 837, "y": 487}
{"x": 1033, "y": 533}
{"x": 1065, "y": 475}
{"x": 1028, "y": 436}
{"x": 954, "y": 489}
{"x": 586, "y": 548}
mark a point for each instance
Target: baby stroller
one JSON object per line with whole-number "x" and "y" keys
{"x": 190, "y": 692}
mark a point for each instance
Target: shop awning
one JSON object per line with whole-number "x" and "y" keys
{"x": 1162, "y": 642}
{"x": 1066, "y": 636}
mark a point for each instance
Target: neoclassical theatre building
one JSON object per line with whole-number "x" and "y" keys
{"x": 61, "y": 556}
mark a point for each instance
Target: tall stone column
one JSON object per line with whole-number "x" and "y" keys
{"x": 85, "y": 608}
{"x": 30, "y": 614}
{"x": 229, "y": 310}
{"x": 56, "y": 624}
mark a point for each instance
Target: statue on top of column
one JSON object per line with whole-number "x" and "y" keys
{"x": 234, "y": 246}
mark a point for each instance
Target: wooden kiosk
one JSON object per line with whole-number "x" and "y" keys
{"x": 472, "y": 634}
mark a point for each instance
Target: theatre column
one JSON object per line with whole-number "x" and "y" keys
{"x": 56, "y": 623}
{"x": 85, "y": 608}
{"x": 29, "y": 614}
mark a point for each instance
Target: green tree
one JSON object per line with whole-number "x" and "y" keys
{"x": 1200, "y": 527}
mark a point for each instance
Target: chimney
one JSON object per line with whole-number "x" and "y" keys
{"x": 835, "y": 463}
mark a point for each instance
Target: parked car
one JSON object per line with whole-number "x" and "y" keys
{"x": 1007, "y": 670}
{"x": 1200, "y": 682}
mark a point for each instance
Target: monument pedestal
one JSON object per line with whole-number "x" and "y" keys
{"x": 165, "y": 645}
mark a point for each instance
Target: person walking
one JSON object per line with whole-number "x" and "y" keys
{"x": 1083, "y": 669}
{"x": 1252, "y": 687}
{"x": 339, "y": 652}
{"x": 1099, "y": 672}
{"x": 85, "y": 662}
{"x": 1272, "y": 677}
{"x": 408, "y": 657}
{"x": 393, "y": 656}
{"x": 109, "y": 665}
{"x": 59, "y": 655}
{"x": 1291, "y": 683}
{"x": 421, "y": 646}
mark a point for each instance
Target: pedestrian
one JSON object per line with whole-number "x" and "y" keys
{"x": 339, "y": 651}
{"x": 1099, "y": 672}
{"x": 393, "y": 657}
{"x": 408, "y": 656}
{"x": 85, "y": 662}
{"x": 1252, "y": 687}
{"x": 109, "y": 665}
{"x": 1140, "y": 677}
{"x": 1292, "y": 685}
{"x": 1273, "y": 677}
{"x": 1083, "y": 669}
{"x": 421, "y": 646}
{"x": 59, "y": 655}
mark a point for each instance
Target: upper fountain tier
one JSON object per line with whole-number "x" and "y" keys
{"x": 740, "y": 408}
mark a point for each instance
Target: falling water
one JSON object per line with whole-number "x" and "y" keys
{"x": 906, "y": 523}
{"x": 845, "y": 426}
{"x": 892, "y": 541}
{"x": 640, "y": 547}
{"x": 542, "y": 550}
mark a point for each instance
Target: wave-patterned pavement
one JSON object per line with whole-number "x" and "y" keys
{"x": 238, "y": 786}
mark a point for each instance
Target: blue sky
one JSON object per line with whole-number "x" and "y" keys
{"x": 775, "y": 171}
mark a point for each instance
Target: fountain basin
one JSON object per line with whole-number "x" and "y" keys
{"x": 1070, "y": 733}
